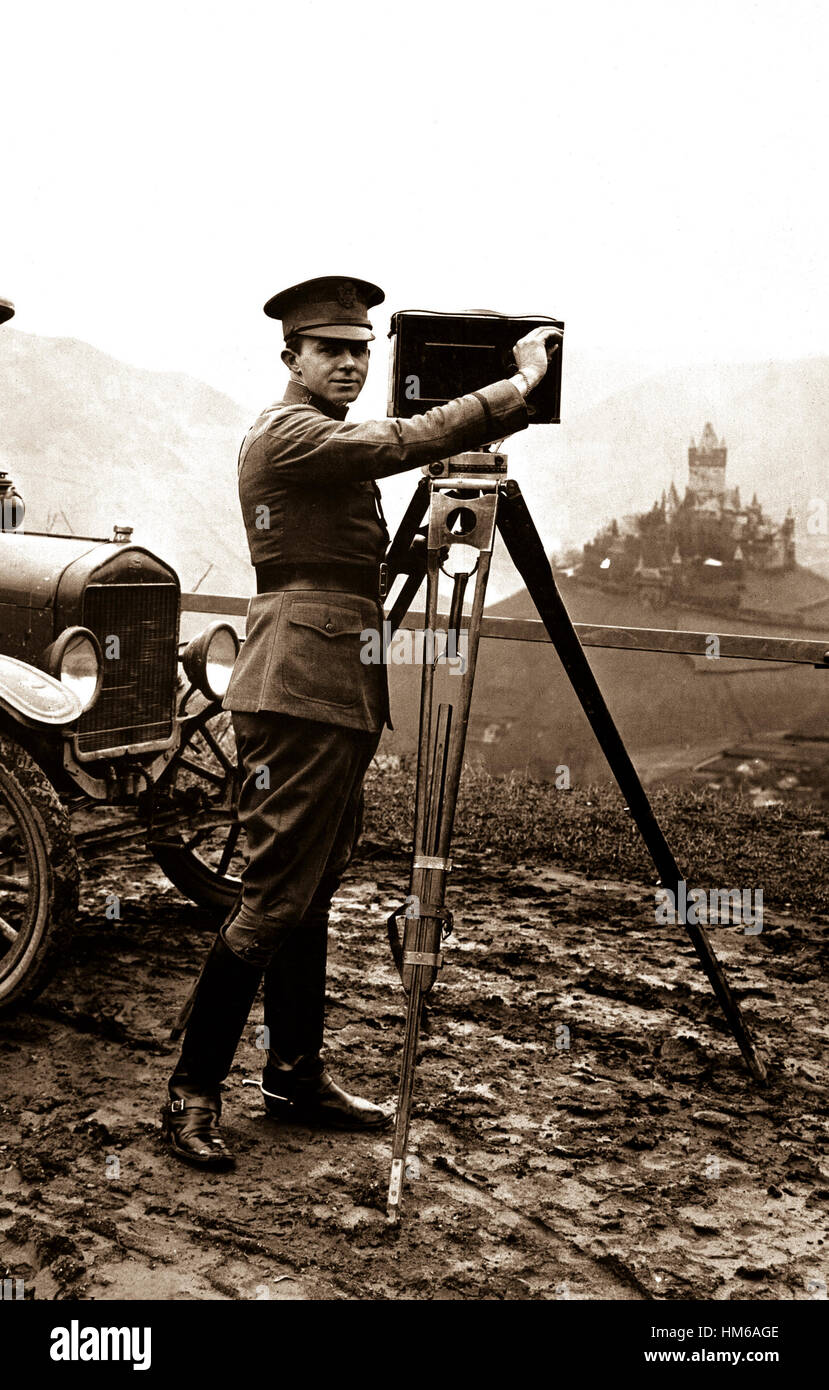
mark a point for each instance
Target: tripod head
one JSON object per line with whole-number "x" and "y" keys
{"x": 476, "y": 469}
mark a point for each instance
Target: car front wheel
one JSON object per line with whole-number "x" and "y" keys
{"x": 39, "y": 878}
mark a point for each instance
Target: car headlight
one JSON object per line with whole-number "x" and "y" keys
{"x": 208, "y": 660}
{"x": 75, "y": 660}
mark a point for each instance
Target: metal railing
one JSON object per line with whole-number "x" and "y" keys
{"x": 733, "y": 646}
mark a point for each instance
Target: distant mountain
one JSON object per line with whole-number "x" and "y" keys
{"x": 91, "y": 441}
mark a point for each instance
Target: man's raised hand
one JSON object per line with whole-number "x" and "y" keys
{"x": 533, "y": 353}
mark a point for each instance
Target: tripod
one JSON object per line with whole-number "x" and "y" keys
{"x": 467, "y": 499}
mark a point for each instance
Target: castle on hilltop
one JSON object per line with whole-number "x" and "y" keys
{"x": 699, "y": 546}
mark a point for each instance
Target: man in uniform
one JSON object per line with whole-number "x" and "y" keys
{"x": 307, "y": 711}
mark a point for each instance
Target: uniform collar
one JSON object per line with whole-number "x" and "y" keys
{"x": 297, "y": 394}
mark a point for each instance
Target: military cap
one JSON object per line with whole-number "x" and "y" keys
{"x": 331, "y": 306}
{"x": 6, "y": 310}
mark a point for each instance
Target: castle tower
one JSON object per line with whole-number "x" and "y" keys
{"x": 706, "y": 465}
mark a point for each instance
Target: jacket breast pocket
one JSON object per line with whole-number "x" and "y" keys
{"x": 321, "y": 651}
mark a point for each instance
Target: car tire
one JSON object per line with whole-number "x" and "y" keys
{"x": 39, "y": 878}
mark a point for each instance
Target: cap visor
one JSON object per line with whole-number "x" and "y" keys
{"x": 348, "y": 332}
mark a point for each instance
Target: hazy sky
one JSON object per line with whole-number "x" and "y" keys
{"x": 653, "y": 173}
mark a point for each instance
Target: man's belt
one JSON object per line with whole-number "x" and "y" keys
{"x": 368, "y": 581}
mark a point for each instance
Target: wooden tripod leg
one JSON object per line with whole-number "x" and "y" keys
{"x": 397, "y": 555}
{"x": 419, "y": 964}
{"x": 441, "y": 746}
{"x": 526, "y": 550}
{"x": 406, "y": 597}
{"x": 403, "y": 558}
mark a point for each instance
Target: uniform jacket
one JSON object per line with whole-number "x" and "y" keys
{"x": 308, "y": 495}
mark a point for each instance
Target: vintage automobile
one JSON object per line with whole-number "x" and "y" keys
{"x": 100, "y": 703}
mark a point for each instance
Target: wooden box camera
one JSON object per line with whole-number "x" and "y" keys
{"x": 436, "y": 357}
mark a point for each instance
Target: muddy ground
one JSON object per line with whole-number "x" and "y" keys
{"x": 584, "y": 1124}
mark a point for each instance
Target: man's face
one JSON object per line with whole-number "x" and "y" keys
{"x": 334, "y": 368}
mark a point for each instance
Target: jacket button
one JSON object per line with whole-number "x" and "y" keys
{"x": 329, "y": 626}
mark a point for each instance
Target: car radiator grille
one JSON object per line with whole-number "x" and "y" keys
{"x": 135, "y": 704}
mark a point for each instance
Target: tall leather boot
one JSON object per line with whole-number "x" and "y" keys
{"x": 295, "y": 1083}
{"x": 294, "y": 990}
{"x": 222, "y": 1001}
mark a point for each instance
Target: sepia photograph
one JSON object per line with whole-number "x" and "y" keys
{"x": 414, "y": 670}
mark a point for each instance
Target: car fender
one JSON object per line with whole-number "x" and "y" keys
{"x": 25, "y": 690}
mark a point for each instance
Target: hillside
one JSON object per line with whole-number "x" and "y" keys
{"x": 91, "y": 441}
